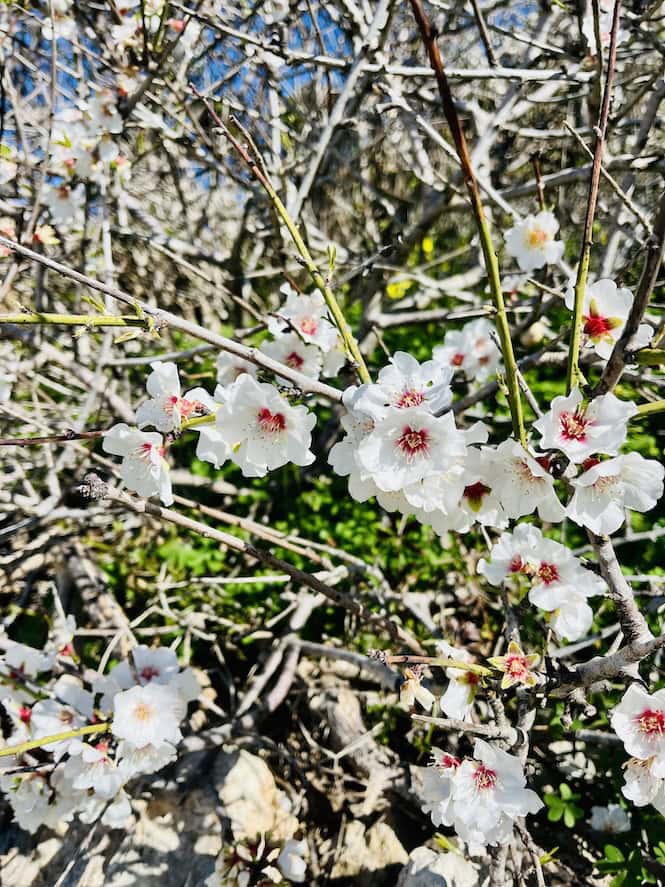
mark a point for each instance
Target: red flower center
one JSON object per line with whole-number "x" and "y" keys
{"x": 516, "y": 564}
{"x": 447, "y": 762}
{"x": 484, "y": 777}
{"x": 516, "y": 665}
{"x": 294, "y": 360}
{"x": 457, "y": 359}
{"x": 271, "y": 423}
{"x": 24, "y": 714}
{"x": 413, "y": 442}
{"x": 148, "y": 673}
{"x": 548, "y": 573}
{"x": 651, "y": 722}
{"x": 573, "y": 426}
{"x": 147, "y": 449}
{"x": 596, "y": 326}
{"x": 410, "y": 397}
{"x": 475, "y": 493}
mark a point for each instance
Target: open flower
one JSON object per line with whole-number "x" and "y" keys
{"x": 406, "y": 383}
{"x": 639, "y": 721}
{"x": 290, "y": 350}
{"x": 308, "y": 316}
{"x": 457, "y": 701}
{"x": 229, "y": 367}
{"x": 471, "y": 350}
{"x": 532, "y": 242}
{"x": 148, "y": 715}
{"x": 144, "y": 468}
{"x": 166, "y": 408}
{"x": 580, "y": 431}
{"x": 644, "y": 784}
{"x": 516, "y": 667}
{"x": 259, "y": 429}
{"x": 612, "y": 819}
{"x": 605, "y": 489}
{"x": 604, "y": 312}
{"x": 523, "y": 484}
{"x": 437, "y": 785}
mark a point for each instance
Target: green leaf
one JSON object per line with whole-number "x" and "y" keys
{"x": 565, "y": 792}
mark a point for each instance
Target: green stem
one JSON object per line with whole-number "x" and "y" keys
{"x": 650, "y": 409}
{"x": 350, "y": 343}
{"x": 574, "y": 376}
{"x": 491, "y": 263}
{"x": 22, "y": 747}
{"x": 649, "y": 357}
{"x": 87, "y": 320}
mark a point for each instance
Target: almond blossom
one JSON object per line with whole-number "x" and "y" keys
{"x": 516, "y": 667}
{"x": 406, "y": 383}
{"x": 605, "y": 489}
{"x": 148, "y": 715}
{"x": 639, "y": 721}
{"x": 411, "y": 690}
{"x": 612, "y": 819}
{"x": 580, "y": 430}
{"x": 644, "y": 784}
{"x": 290, "y": 350}
{"x": 167, "y": 407}
{"x": 308, "y": 316}
{"x": 523, "y": 484}
{"x": 532, "y": 242}
{"x": 471, "y": 350}
{"x": 605, "y": 309}
{"x": 63, "y": 200}
{"x": 259, "y": 430}
{"x": 457, "y": 701}
{"x": 437, "y": 782}
{"x": 229, "y": 367}
{"x": 144, "y": 468}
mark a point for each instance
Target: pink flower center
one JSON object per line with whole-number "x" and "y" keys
{"x": 294, "y": 360}
{"x": 147, "y": 448}
{"x": 484, "y": 777}
{"x": 410, "y": 397}
{"x": 309, "y": 326}
{"x": 413, "y": 442}
{"x": 548, "y": 573}
{"x": 516, "y": 565}
{"x": 457, "y": 359}
{"x": 537, "y": 238}
{"x": 596, "y": 326}
{"x": 148, "y": 673}
{"x": 651, "y": 722}
{"x": 24, "y": 714}
{"x": 447, "y": 762}
{"x": 271, "y": 423}
{"x": 573, "y": 426}
{"x": 517, "y": 666}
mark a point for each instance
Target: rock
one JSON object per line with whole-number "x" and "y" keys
{"x": 368, "y": 855}
{"x": 250, "y": 797}
{"x": 427, "y": 868}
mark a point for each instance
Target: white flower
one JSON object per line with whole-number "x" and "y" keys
{"x": 90, "y": 767}
{"x": 8, "y": 165}
{"x": 408, "y": 445}
{"x": 166, "y": 408}
{"x": 50, "y": 718}
{"x": 411, "y": 690}
{"x": 457, "y": 701}
{"x": 30, "y": 797}
{"x": 343, "y": 455}
{"x": 63, "y": 201}
{"x": 437, "y": 785}
{"x": 406, "y": 383}
{"x": 523, "y": 483}
{"x": 291, "y": 861}
{"x": 229, "y": 367}
{"x": 612, "y": 819}
{"x": 532, "y": 242}
{"x": 605, "y": 489}
{"x": 259, "y": 429}
{"x": 644, "y": 786}
{"x": 148, "y": 715}
{"x": 580, "y": 431}
{"x": 605, "y": 28}
{"x": 470, "y": 349}
{"x": 605, "y": 309}
{"x": 290, "y": 350}
{"x": 144, "y": 468}
{"x": 308, "y": 315}
{"x": 480, "y": 501}
{"x": 334, "y": 360}
{"x": 639, "y": 721}
{"x": 26, "y": 660}
{"x": 133, "y": 761}
{"x": 102, "y": 114}
{"x": 489, "y": 794}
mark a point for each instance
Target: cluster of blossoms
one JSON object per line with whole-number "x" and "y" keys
{"x": 639, "y": 721}
{"x": 481, "y": 797}
{"x": 140, "y": 703}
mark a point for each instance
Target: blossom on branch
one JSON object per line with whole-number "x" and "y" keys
{"x": 144, "y": 468}
{"x": 532, "y": 242}
{"x": 605, "y": 309}
{"x": 167, "y": 408}
{"x": 471, "y": 349}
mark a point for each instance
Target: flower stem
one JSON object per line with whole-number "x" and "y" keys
{"x": 88, "y": 320}
{"x": 22, "y": 747}
{"x": 649, "y": 409}
{"x": 350, "y": 343}
{"x": 574, "y": 376}
{"x": 491, "y": 263}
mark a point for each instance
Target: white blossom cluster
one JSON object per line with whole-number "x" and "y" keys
{"x": 481, "y": 797}
{"x": 143, "y": 700}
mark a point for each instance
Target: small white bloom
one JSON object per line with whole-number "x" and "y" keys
{"x": 229, "y": 367}
{"x": 480, "y": 500}
{"x": 644, "y": 786}
{"x": 261, "y": 430}
{"x": 26, "y": 660}
{"x": 605, "y": 489}
{"x": 90, "y": 767}
{"x": 532, "y": 242}
{"x": 437, "y": 786}
{"x": 166, "y": 409}
{"x": 291, "y": 862}
{"x": 411, "y": 690}
{"x": 290, "y": 350}
{"x": 133, "y": 761}
{"x": 579, "y": 432}
{"x": 102, "y": 114}
{"x": 523, "y": 483}
{"x": 406, "y": 383}
{"x": 471, "y": 350}
{"x": 63, "y": 201}
{"x": 639, "y": 721}
{"x": 457, "y": 701}
{"x": 605, "y": 309}
{"x": 148, "y": 715}
{"x": 50, "y": 718}
{"x": 612, "y": 819}
{"x": 308, "y": 315}
{"x": 144, "y": 468}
